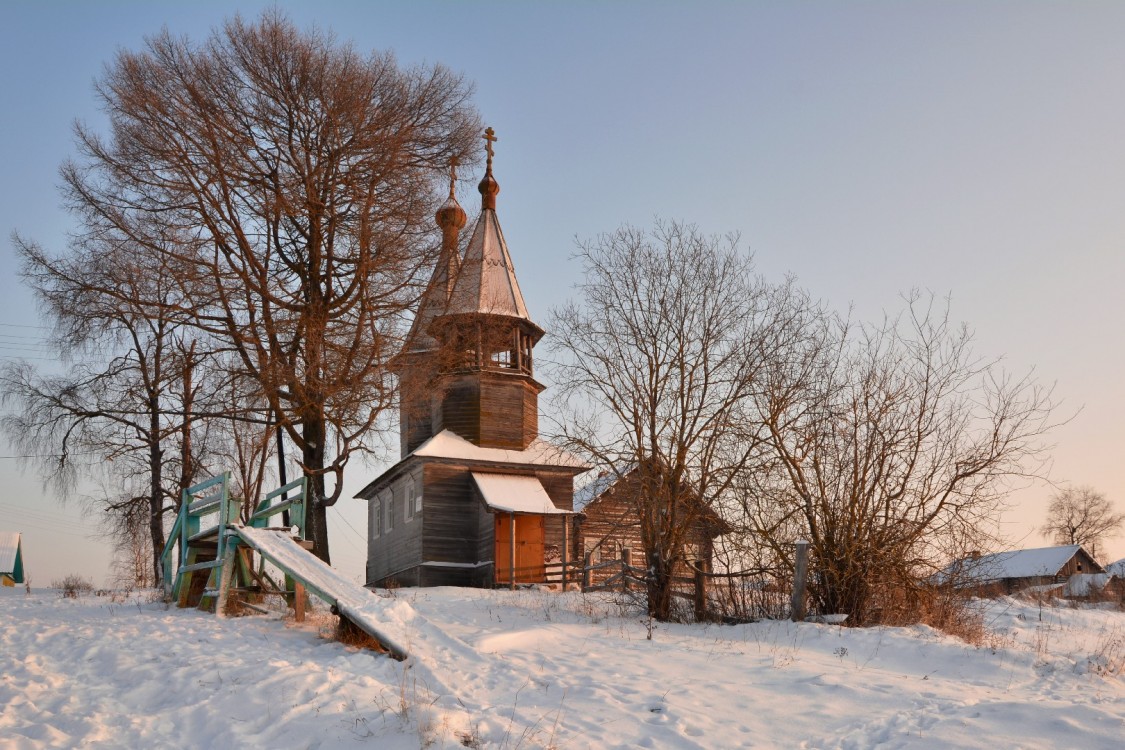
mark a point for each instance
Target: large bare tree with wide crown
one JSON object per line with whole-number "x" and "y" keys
{"x": 293, "y": 180}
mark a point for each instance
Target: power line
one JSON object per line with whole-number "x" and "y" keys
{"x": 23, "y": 325}
{"x": 54, "y": 455}
{"x": 340, "y": 518}
{"x": 86, "y": 534}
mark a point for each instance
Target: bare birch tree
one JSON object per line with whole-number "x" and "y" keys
{"x": 664, "y": 349}
{"x": 1082, "y": 515}
{"x": 298, "y": 179}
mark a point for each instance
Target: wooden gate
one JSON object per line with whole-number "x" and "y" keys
{"x": 530, "y": 531}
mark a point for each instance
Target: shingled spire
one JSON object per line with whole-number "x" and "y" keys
{"x": 487, "y": 282}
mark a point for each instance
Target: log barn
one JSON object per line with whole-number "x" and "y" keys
{"x": 607, "y": 525}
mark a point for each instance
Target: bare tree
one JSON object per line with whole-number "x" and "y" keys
{"x": 296, "y": 180}
{"x": 1082, "y": 515}
{"x": 659, "y": 361}
{"x": 887, "y": 445}
{"x": 115, "y": 411}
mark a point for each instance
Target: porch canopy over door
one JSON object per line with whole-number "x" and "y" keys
{"x": 521, "y": 505}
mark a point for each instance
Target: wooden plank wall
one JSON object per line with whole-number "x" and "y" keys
{"x": 450, "y": 520}
{"x": 458, "y": 408}
{"x": 560, "y": 488}
{"x": 613, "y": 518}
{"x": 508, "y": 411}
{"x": 392, "y": 553}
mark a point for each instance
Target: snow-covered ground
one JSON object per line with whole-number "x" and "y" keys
{"x": 533, "y": 669}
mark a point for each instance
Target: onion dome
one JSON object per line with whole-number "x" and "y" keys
{"x": 488, "y": 186}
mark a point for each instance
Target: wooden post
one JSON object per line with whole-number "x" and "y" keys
{"x": 226, "y": 572}
{"x": 512, "y": 552}
{"x": 586, "y": 571}
{"x": 800, "y": 574}
{"x": 701, "y": 590}
{"x": 624, "y": 575}
{"x": 299, "y": 600}
{"x": 565, "y": 545}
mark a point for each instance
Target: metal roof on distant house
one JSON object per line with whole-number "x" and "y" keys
{"x": 1024, "y": 563}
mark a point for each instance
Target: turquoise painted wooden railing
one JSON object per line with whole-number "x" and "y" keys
{"x": 188, "y": 529}
{"x": 292, "y": 499}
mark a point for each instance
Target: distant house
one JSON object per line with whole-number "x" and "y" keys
{"x": 608, "y": 526}
{"x": 11, "y": 559}
{"x": 1017, "y": 570}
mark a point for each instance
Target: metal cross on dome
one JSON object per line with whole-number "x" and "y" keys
{"x": 490, "y": 138}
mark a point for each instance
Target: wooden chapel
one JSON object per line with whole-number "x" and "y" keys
{"x": 476, "y": 498}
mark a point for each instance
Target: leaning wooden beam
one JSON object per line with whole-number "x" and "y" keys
{"x": 320, "y": 580}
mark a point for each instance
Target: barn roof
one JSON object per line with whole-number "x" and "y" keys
{"x": 1024, "y": 563}
{"x": 10, "y": 553}
{"x": 607, "y": 480}
{"x": 512, "y": 493}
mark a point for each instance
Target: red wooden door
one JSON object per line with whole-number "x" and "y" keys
{"x": 530, "y": 535}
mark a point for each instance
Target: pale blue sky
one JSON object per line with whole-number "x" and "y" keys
{"x": 974, "y": 149}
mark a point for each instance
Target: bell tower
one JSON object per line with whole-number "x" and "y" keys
{"x": 485, "y": 389}
{"x": 477, "y": 498}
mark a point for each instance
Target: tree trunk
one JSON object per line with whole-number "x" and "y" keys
{"x": 316, "y": 511}
{"x": 659, "y": 589}
{"x": 156, "y": 490}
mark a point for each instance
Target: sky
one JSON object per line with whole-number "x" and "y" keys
{"x": 972, "y": 149}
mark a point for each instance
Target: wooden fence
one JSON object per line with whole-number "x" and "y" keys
{"x": 711, "y": 594}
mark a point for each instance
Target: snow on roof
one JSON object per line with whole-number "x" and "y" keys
{"x": 1116, "y": 568}
{"x": 594, "y": 489}
{"x": 512, "y": 493}
{"x": 487, "y": 282}
{"x": 447, "y": 444}
{"x": 450, "y": 445}
{"x": 9, "y": 546}
{"x": 1024, "y": 563}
